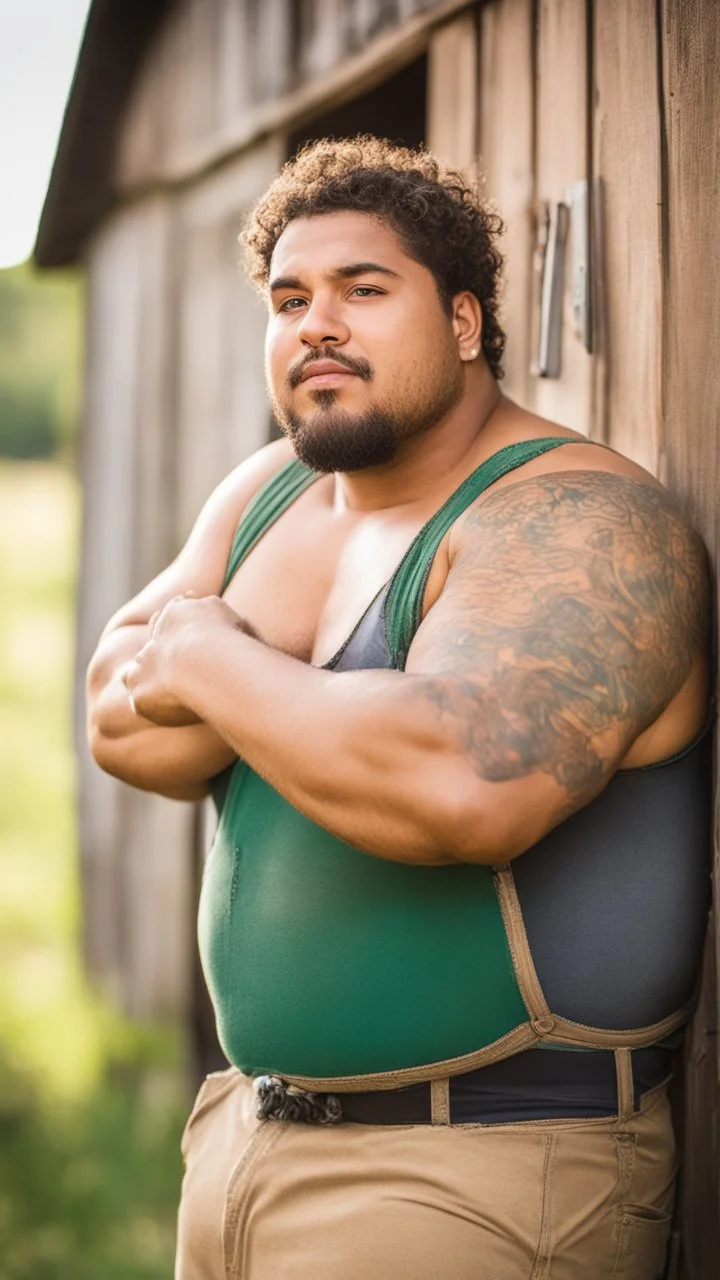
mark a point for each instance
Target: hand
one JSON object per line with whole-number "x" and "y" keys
{"x": 176, "y": 631}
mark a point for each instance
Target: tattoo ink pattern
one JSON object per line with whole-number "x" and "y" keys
{"x": 574, "y": 609}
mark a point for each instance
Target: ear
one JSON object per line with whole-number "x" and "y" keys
{"x": 467, "y": 325}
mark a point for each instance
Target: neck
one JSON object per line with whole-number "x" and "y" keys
{"x": 432, "y": 465}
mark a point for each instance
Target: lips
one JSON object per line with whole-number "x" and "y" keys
{"x": 325, "y": 368}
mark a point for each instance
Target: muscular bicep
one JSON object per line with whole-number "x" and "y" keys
{"x": 574, "y": 609}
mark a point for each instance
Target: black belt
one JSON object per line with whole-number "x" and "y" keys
{"x": 539, "y": 1084}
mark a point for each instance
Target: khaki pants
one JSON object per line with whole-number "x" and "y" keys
{"x": 568, "y": 1200}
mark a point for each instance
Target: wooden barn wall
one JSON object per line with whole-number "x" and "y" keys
{"x": 690, "y": 452}
{"x": 507, "y": 153}
{"x": 561, "y": 158}
{"x": 627, "y": 159}
{"x": 217, "y": 62}
{"x": 222, "y": 408}
{"x": 453, "y": 91}
{"x": 136, "y": 880}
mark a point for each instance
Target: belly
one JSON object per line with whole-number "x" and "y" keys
{"x": 324, "y": 961}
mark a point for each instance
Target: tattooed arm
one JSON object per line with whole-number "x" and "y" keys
{"x": 572, "y": 615}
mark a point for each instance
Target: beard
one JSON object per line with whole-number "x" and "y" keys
{"x": 331, "y": 439}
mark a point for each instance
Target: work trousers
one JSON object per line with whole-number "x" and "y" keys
{"x": 541, "y": 1200}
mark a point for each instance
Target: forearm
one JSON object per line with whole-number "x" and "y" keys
{"x": 357, "y": 752}
{"x": 176, "y": 762}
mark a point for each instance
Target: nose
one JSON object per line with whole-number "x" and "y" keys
{"x": 322, "y": 324}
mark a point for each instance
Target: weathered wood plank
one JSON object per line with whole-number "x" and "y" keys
{"x": 235, "y": 62}
{"x": 175, "y": 107}
{"x": 452, "y": 111}
{"x": 107, "y": 468}
{"x": 191, "y": 80}
{"x": 269, "y": 40}
{"x": 135, "y": 849}
{"x": 322, "y": 37}
{"x": 506, "y": 153}
{"x": 690, "y": 448}
{"x": 154, "y": 474}
{"x": 561, "y": 149}
{"x": 222, "y": 406}
{"x": 627, "y": 159}
{"x": 186, "y": 157}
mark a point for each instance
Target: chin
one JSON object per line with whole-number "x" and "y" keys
{"x": 341, "y": 441}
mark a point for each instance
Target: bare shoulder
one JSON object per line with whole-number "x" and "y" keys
{"x": 200, "y": 565}
{"x": 600, "y": 527}
{"x": 575, "y": 608}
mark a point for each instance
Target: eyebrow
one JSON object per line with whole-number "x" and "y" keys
{"x": 341, "y": 273}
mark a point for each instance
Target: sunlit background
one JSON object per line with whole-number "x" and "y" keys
{"x": 90, "y": 1108}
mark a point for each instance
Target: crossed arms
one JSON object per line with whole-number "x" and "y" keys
{"x": 573, "y": 613}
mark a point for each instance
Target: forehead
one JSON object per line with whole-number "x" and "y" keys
{"x": 322, "y": 244}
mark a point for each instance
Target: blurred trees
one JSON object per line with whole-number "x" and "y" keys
{"x": 91, "y": 1105}
{"x": 40, "y": 336}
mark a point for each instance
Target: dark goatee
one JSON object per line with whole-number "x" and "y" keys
{"x": 341, "y": 441}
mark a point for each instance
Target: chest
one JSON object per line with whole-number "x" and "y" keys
{"x": 312, "y": 575}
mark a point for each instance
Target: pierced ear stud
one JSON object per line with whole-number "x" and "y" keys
{"x": 472, "y": 355}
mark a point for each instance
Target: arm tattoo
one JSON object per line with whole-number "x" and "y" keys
{"x": 571, "y": 617}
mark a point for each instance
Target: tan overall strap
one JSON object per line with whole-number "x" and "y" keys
{"x": 522, "y": 1037}
{"x": 541, "y": 1017}
{"x": 548, "y": 1026}
{"x": 625, "y": 1086}
{"x": 440, "y": 1101}
{"x": 575, "y": 1033}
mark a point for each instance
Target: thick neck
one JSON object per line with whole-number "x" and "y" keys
{"x": 426, "y": 469}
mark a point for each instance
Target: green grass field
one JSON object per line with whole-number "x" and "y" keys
{"x": 89, "y": 1146}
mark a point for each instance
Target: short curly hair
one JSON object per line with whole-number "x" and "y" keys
{"x": 436, "y": 212}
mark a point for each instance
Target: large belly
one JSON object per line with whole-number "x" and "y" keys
{"x": 324, "y": 961}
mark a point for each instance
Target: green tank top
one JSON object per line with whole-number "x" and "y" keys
{"x": 327, "y": 965}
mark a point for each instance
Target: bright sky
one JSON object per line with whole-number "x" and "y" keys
{"x": 39, "y": 43}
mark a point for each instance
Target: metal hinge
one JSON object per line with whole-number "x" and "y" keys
{"x": 561, "y": 226}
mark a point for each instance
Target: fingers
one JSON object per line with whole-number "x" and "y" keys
{"x": 153, "y": 621}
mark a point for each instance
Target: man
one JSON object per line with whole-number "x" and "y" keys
{"x": 452, "y": 916}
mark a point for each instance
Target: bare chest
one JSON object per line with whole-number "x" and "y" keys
{"x": 305, "y": 585}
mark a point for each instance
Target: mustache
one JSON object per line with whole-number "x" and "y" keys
{"x": 362, "y": 368}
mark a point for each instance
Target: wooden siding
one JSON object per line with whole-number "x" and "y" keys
{"x": 224, "y": 74}
{"x": 135, "y": 847}
{"x": 561, "y": 158}
{"x": 689, "y": 34}
{"x": 222, "y": 410}
{"x": 453, "y": 94}
{"x": 627, "y": 158}
{"x": 506, "y": 146}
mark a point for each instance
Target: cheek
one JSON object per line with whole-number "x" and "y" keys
{"x": 415, "y": 359}
{"x": 278, "y": 352}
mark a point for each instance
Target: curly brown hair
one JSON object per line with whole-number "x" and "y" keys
{"x": 436, "y": 212}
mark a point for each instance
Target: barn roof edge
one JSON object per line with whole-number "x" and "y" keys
{"x": 116, "y": 36}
